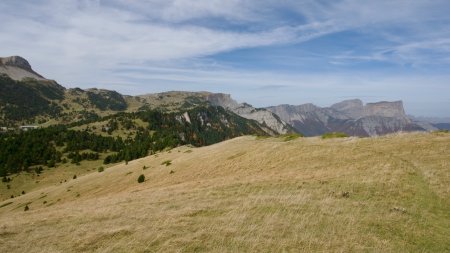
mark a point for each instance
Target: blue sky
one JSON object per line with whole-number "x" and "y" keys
{"x": 264, "y": 52}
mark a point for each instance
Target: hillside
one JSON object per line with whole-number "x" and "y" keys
{"x": 45, "y": 102}
{"x": 119, "y": 137}
{"x": 179, "y": 100}
{"x": 384, "y": 194}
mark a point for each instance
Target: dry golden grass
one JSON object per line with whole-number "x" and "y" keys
{"x": 385, "y": 194}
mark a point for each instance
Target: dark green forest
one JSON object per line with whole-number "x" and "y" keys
{"x": 24, "y": 151}
{"x": 29, "y": 98}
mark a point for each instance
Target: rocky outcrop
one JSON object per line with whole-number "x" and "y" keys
{"x": 17, "y": 68}
{"x": 271, "y": 122}
{"x": 183, "y": 100}
{"x": 386, "y": 109}
{"x": 352, "y": 108}
{"x": 350, "y": 116}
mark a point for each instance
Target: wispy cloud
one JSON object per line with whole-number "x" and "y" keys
{"x": 135, "y": 46}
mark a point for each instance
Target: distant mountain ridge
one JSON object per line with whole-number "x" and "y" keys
{"x": 349, "y": 116}
{"x": 26, "y": 97}
{"x": 263, "y": 116}
{"x": 175, "y": 100}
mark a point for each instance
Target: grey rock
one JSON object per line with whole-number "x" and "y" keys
{"x": 353, "y": 108}
{"x": 349, "y": 116}
{"x": 273, "y": 124}
{"x": 386, "y": 109}
{"x": 17, "y": 68}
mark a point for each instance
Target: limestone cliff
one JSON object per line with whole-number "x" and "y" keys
{"x": 349, "y": 116}
{"x": 272, "y": 123}
{"x": 17, "y": 68}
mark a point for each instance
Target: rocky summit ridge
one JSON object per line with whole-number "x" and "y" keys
{"x": 18, "y": 68}
{"x": 355, "y": 109}
{"x": 270, "y": 121}
{"x": 349, "y": 116}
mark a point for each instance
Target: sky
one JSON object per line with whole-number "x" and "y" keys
{"x": 263, "y": 52}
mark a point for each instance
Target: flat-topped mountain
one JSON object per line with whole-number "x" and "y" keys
{"x": 349, "y": 116}
{"x": 355, "y": 109}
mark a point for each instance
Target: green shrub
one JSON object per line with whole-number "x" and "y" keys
{"x": 51, "y": 163}
{"x": 38, "y": 170}
{"x": 290, "y": 137}
{"x": 144, "y": 167}
{"x": 334, "y": 135}
{"x": 262, "y": 137}
{"x": 167, "y": 162}
{"x": 101, "y": 169}
{"x": 141, "y": 178}
{"x": 74, "y": 176}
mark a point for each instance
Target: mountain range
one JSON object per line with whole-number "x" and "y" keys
{"x": 351, "y": 117}
{"x": 26, "y": 97}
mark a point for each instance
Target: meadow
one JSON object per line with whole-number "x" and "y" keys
{"x": 248, "y": 194}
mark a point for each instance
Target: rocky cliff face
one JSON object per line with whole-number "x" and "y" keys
{"x": 18, "y": 68}
{"x": 272, "y": 123}
{"x": 386, "y": 109}
{"x": 350, "y": 116}
{"x": 352, "y": 108}
{"x": 182, "y": 100}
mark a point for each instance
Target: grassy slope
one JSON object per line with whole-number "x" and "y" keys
{"x": 247, "y": 194}
{"x": 50, "y": 176}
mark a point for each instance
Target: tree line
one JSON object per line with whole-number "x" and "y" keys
{"x": 19, "y": 151}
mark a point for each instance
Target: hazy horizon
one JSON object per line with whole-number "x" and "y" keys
{"x": 261, "y": 52}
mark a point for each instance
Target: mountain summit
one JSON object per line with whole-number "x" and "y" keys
{"x": 17, "y": 68}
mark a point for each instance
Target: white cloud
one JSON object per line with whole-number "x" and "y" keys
{"x": 75, "y": 41}
{"x": 88, "y": 42}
